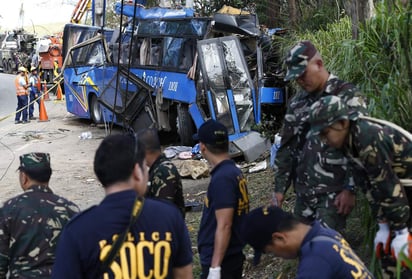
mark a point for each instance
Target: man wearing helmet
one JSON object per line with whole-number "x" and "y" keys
{"x": 22, "y": 93}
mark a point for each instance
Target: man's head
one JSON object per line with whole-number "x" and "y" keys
{"x": 150, "y": 139}
{"x": 305, "y": 64}
{"x": 329, "y": 117}
{"x": 34, "y": 169}
{"x": 272, "y": 230}
{"x": 214, "y": 136}
{"x": 33, "y": 70}
{"x": 120, "y": 159}
{"x": 22, "y": 70}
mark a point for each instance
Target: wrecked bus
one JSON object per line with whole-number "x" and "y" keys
{"x": 167, "y": 68}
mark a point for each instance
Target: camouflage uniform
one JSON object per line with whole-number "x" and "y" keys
{"x": 166, "y": 183}
{"x": 379, "y": 157}
{"x": 317, "y": 172}
{"x": 29, "y": 228}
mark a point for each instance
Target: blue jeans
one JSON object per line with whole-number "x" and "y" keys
{"x": 22, "y": 102}
{"x": 32, "y": 98}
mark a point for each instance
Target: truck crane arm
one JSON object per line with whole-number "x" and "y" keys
{"x": 81, "y": 8}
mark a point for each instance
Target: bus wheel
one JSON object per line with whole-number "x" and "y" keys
{"x": 95, "y": 110}
{"x": 185, "y": 125}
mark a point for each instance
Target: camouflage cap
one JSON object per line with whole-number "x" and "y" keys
{"x": 298, "y": 58}
{"x": 35, "y": 160}
{"x": 326, "y": 111}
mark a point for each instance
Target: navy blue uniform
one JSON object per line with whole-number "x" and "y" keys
{"x": 227, "y": 189}
{"x": 324, "y": 254}
{"x": 157, "y": 243}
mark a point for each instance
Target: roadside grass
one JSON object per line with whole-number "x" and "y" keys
{"x": 260, "y": 186}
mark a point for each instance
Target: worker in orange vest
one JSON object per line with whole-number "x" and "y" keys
{"x": 22, "y": 84}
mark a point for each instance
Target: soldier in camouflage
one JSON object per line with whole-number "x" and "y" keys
{"x": 323, "y": 187}
{"x": 164, "y": 179}
{"x": 30, "y": 223}
{"x": 380, "y": 156}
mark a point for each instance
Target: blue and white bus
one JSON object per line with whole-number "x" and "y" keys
{"x": 168, "y": 69}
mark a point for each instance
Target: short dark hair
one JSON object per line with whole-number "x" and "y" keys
{"x": 150, "y": 139}
{"x": 262, "y": 222}
{"x": 116, "y": 157}
{"x": 40, "y": 174}
{"x": 218, "y": 149}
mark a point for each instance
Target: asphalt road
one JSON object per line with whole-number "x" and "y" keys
{"x": 71, "y": 157}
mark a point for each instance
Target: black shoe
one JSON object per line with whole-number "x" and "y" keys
{"x": 26, "y": 121}
{"x": 32, "y": 118}
{"x": 17, "y": 122}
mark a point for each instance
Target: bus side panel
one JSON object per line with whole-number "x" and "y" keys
{"x": 78, "y": 87}
{"x": 175, "y": 86}
{"x": 76, "y": 96}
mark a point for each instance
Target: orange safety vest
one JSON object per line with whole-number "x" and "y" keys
{"x": 20, "y": 90}
{"x": 38, "y": 84}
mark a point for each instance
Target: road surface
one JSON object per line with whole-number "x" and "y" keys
{"x": 71, "y": 157}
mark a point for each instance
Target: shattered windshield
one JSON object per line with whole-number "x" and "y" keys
{"x": 240, "y": 84}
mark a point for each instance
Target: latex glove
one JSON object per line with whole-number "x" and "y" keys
{"x": 382, "y": 240}
{"x": 277, "y": 199}
{"x": 345, "y": 202}
{"x": 399, "y": 243}
{"x": 214, "y": 273}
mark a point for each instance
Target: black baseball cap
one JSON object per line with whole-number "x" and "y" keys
{"x": 212, "y": 132}
{"x": 259, "y": 226}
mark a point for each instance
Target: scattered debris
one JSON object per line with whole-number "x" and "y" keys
{"x": 172, "y": 151}
{"x": 86, "y": 135}
{"x": 192, "y": 168}
{"x": 259, "y": 167}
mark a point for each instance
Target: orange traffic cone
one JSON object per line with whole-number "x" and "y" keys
{"x": 59, "y": 92}
{"x": 42, "y": 111}
{"x": 46, "y": 92}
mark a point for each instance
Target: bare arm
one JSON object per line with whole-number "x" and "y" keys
{"x": 183, "y": 272}
{"x": 224, "y": 218}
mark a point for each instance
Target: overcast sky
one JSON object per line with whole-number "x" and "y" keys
{"x": 36, "y": 12}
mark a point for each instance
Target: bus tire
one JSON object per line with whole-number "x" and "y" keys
{"x": 95, "y": 110}
{"x": 185, "y": 125}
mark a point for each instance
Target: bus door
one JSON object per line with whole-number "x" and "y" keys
{"x": 129, "y": 99}
{"x": 230, "y": 94}
{"x": 229, "y": 87}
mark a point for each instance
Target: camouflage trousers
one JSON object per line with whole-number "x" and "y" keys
{"x": 320, "y": 175}
{"x": 321, "y": 208}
